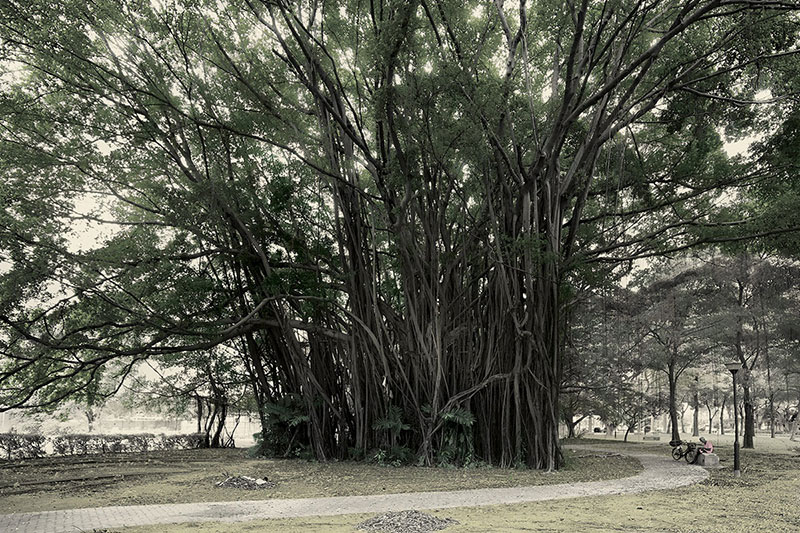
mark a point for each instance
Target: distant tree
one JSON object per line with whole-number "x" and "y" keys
{"x": 755, "y": 289}
{"x": 713, "y": 392}
{"x": 677, "y": 316}
{"x": 210, "y": 385}
{"x": 601, "y": 357}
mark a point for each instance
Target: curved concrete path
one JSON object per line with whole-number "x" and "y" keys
{"x": 660, "y": 472}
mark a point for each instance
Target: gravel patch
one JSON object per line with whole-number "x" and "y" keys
{"x": 246, "y": 483}
{"x": 405, "y": 522}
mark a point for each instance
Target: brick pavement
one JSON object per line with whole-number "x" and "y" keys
{"x": 658, "y": 473}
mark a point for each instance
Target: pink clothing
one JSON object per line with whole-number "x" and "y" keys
{"x": 707, "y": 447}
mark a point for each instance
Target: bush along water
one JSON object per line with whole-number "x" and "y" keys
{"x": 14, "y": 446}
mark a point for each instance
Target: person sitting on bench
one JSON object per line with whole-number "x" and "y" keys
{"x": 707, "y": 447}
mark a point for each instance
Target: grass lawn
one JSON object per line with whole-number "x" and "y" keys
{"x": 765, "y": 498}
{"x": 190, "y": 476}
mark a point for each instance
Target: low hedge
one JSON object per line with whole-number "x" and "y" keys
{"x": 22, "y": 445}
{"x": 26, "y": 446}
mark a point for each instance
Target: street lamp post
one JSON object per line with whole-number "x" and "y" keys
{"x": 734, "y": 368}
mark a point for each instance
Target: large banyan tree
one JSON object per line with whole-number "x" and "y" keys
{"x": 383, "y": 207}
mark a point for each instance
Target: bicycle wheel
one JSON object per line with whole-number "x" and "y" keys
{"x": 677, "y": 453}
{"x": 691, "y": 455}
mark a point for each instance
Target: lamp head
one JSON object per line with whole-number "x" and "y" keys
{"x": 733, "y": 366}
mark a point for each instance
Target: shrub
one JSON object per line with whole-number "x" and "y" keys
{"x": 62, "y": 445}
{"x": 193, "y": 441}
{"x": 285, "y": 434}
{"x": 456, "y": 444}
{"x": 85, "y": 444}
{"x": 394, "y": 456}
{"x": 182, "y": 442}
{"x": 21, "y": 446}
{"x": 141, "y": 442}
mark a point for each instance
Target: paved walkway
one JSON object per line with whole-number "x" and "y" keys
{"x": 660, "y": 472}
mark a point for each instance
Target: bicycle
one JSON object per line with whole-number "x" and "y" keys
{"x": 689, "y": 453}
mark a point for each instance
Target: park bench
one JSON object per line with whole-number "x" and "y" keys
{"x": 707, "y": 459}
{"x": 648, "y": 435}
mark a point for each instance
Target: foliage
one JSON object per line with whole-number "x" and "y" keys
{"x": 394, "y": 456}
{"x": 285, "y": 429}
{"x": 393, "y": 426}
{"x": 457, "y": 446}
{"x": 24, "y": 446}
{"x": 392, "y": 422}
{"x": 21, "y": 445}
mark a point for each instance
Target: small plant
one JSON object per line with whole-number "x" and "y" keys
{"x": 355, "y": 454}
{"x": 394, "y": 456}
{"x": 285, "y": 429}
{"x": 456, "y": 445}
{"x": 391, "y": 426}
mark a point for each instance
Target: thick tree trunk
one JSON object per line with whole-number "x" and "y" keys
{"x": 216, "y": 441}
{"x": 570, "y": 427}
{"x": 749, "y": 417}
{"x": 673, "y": 410}
{"x": 571, "y": 423}
{"x": 749, "y": 420}
{"x": 199, "y": 404}
{"x": 90, "y": 418}
{"x": 772, "y": 415}
{"x": 710, "y": 420}
{"x": 770, "y": 389}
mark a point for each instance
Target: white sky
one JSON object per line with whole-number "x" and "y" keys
{"x": 87, "y": 234}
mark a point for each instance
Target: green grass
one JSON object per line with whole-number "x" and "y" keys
{"x": 190, "y": 476}
{"x": 763, "y": 442}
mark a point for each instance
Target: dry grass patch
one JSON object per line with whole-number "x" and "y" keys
{"x": 766, "y": 498}
{"x": 191, "y": 475}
